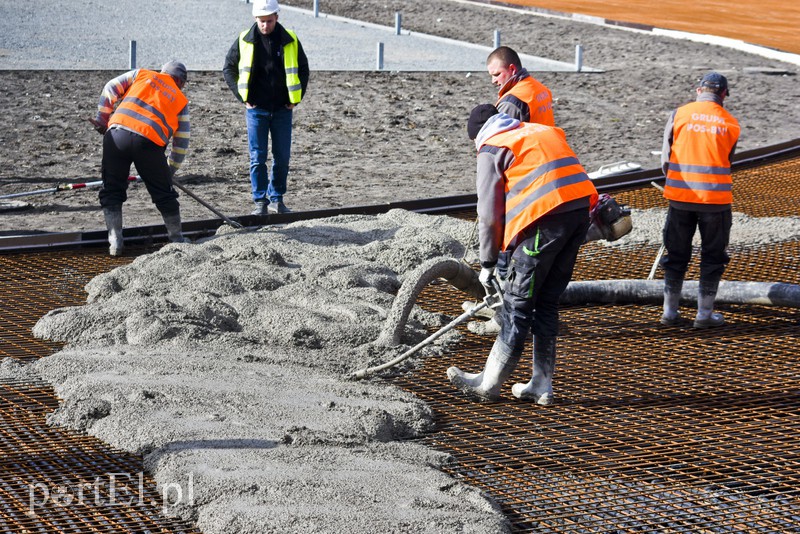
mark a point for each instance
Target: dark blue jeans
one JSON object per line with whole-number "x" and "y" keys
{"x": 715, "y": 231}
{"x": 263, "y": 125}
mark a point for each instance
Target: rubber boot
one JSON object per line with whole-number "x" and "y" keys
{"x": 540, "y": 387}
{"x": 485, "y": 386}
{"x": 706, "y": 317}
{"x": 113, "y": 216}
{"x": 173, "y": 224}
{"x": 672, "y": 299}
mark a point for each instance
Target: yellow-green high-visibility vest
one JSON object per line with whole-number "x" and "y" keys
{"x": 290, "y": 65}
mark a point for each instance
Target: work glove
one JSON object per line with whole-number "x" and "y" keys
{"x": 97, "y": 126}
{"x": 488, "y": 280}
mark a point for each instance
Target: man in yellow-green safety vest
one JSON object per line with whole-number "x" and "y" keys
{"x": 267, "y": 70}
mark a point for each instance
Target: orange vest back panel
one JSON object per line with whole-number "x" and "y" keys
{"x": 545, "y": 174}
{"x": 151, "y": 106}
{"x": 699, "y": 169}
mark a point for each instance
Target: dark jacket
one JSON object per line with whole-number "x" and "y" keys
{"x": 267, "y": 77}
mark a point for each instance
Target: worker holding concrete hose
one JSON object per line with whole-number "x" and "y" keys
{"x": 534, "y": 199}
{"x": 520, "y": 95}
{"x": 267, "y": 70}
{"x": 699, "y": 141}
{"x": 138, "y": 113}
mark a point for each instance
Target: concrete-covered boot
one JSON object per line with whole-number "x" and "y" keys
{"x": 706, "y": 317}
{"x": 672, "y": 300}
{"x": 540, "y": 388}
{"x": 113, "y": 216}
{"x": 173, "y": 224}
{"x": 485, "y": 386}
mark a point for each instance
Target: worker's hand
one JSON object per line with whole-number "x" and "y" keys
{"x": 97, "y": 126}
{"x": 488, "y": 280}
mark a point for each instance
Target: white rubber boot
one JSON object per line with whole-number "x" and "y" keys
{"x": 173, "y": 224}
{"x": 485, "y": 386}
{"x": 672, "y": 300}
{"x": 540, "y": 387}
{"x": 113, "y": 217}
{"x": 706, "y": 317}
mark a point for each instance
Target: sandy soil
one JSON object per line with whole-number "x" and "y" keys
{"x": 368, "y": 138}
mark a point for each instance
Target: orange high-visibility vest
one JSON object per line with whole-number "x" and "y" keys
{"x": 150, "y": 107}
{"x": 545, "y": 174}
{"x": 699, "y": 168}
{"x": 537, "y": 96}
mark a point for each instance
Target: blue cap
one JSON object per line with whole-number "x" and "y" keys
{"x": 715, "y": 81}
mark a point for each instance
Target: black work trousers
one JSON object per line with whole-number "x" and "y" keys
{"x": 679, "y": 230}
{"x": 121, "y": 148}
{"x": 540, "y": 268}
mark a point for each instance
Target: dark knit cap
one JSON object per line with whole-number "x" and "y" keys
{"x": 478, "y": 117}
{"x": 176, "y": 69}
{"x": 715, "y": 81}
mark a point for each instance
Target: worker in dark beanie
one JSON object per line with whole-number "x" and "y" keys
{"x": 699, "y": 141}
{"x": 534, "y": 199}
{"x": 139, "y": 112}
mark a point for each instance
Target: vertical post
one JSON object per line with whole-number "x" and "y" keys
{"x": 578, "y": 58}
{"x": 380, "y": 56}
{"x": 397, "y": 20}
{"x": 132, "y": 54}
{"x": 316, "y": 8}
{"x": 496, "y": 38}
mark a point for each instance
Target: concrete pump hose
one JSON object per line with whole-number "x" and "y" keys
{"x": 652, "y": 292}
{"x": 456, "y": 273}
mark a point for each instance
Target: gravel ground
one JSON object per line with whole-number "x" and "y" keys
{"x": 374, "y": 137}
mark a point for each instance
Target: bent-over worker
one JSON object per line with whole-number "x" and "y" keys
{"x": 534, "y": 199}
{"x": 139, "y": 112}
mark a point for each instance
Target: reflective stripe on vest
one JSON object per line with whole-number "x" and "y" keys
{"x": 150, "y": 107}
{"x": 290, "y": 65}
{"x": 699, "y": 168}
{"x": 536, "y": 96}
{"x": 544, "y": 175}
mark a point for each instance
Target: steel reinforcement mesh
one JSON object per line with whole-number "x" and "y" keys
{"x": 655, "y": 429}
{"x": 53, "y": 479}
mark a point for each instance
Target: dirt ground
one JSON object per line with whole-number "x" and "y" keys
{"x": 375, "y": 137}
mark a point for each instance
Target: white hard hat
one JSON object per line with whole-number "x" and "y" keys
{"x": 262, "y": 8}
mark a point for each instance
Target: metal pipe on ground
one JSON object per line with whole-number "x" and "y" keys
{"x": 205, "y": 204}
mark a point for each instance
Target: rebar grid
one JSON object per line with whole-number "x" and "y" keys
{"x": 656, "y": 429}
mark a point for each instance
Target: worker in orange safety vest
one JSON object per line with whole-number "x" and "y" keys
{"x": 138, "y": 113}
{"x": 520, "y": 95}
{"x": 534, "y": 199}
{"x": 699, "y": 141}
